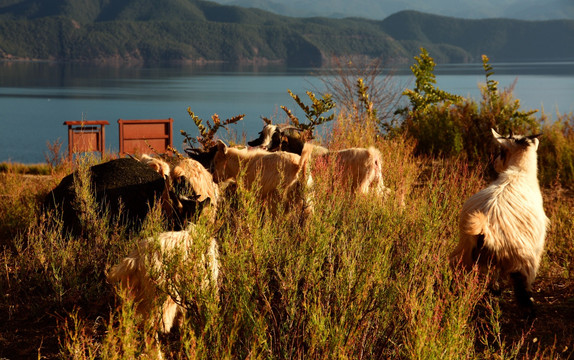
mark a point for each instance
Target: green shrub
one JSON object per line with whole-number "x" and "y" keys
{"x": 450, "y": 125}
{"x": 442, "y": 124}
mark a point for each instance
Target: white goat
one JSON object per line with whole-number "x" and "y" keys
{"x": 504, "y": 225}
{"x": 277, "y": 176}
{"x": 188, "y": 181}
{"x": 360, "y": 168}
{"x": 144, "y": 273}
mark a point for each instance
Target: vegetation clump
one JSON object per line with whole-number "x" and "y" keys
{"x": 206, "y": 137}
{"x": 448, "y": 125}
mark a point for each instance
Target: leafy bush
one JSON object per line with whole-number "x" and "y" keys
{"x": 443, "y": 124}
{"x": 206, "y": 137}
{"x": 450, "y": 125}
{"x": 428, "y": 118}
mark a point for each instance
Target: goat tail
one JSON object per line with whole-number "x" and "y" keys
{"x": 377, "y": 166}
{"x": 472, "y": 227}
{"x": 304, "y": 178}
{"x": 305, "y": 157}
{"x": 127, "y": 271}
{"x": 375, "y": 156}
{"x": 375, "y": 163}
{"x": 125, "y": 267}
{"x": 475, "y": 223}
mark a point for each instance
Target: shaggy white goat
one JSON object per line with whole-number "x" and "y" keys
{"x": 504, "y": 225}
{"x": 360, "y": 168}
{"x": 186, "y": 176}
{"x": 277, "y": 176}
{"x": 144, "y": 273}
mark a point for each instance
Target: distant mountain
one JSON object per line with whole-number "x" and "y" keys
{"x": 380, "y": 9}
{"x": 202, "y": 31}
{"x": 501, "y": 39}
{"x": 88, "y": 11}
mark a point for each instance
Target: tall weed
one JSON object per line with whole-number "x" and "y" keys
{"x": 556, "y": 151}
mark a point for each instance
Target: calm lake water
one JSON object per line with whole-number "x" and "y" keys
{"x": 36, "y": 98}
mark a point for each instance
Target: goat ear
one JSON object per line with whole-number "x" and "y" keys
{"x": 206, "y": 201}
{"x": 221, "y": 146}
{"x": 532, "y": 137}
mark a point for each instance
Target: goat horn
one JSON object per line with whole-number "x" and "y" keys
{"x": 192, "y": 151}
{"x": 534, "y": 136}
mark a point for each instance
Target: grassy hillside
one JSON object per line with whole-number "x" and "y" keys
{"x": 192, "y": 30}
{"x": 87, "y": 11}
{"x": 363, "y": 277}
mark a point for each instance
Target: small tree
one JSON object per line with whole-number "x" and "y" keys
{"x": 428, "y": 118}
{"x": 366, "y": 96}
{"x": 206, "y": 136}
{"x": 500, "y": 109}
{"x": 425, "y": 94}
{"x": 313, "y": 113}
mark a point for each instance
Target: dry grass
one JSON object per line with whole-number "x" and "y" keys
{"x": 363, "y": 278}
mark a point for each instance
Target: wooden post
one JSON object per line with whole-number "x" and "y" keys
{"x": 86, "y": 136}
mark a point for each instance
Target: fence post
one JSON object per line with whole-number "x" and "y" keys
{"x": 86, "y": 136}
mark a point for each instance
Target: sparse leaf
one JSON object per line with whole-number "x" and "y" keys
{"x": 206, "y": 136}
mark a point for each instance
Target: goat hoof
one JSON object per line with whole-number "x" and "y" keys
{"x": 527, "y": 308}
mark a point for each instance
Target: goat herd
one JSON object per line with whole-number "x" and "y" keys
{"x": 502, "y": 227}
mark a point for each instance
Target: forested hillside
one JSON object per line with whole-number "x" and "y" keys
{"x": 503, "y": 39}
{"x": 201, "y": 31}
{"x": 380, "y": 9}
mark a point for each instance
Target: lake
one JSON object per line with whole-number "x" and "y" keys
{"x": 36, "y": 97}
